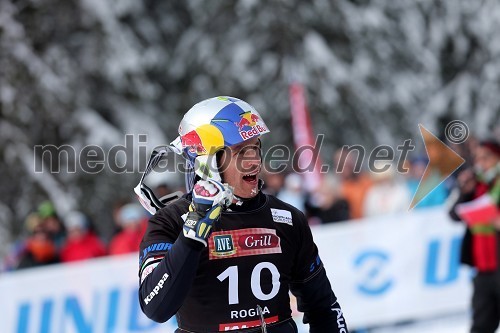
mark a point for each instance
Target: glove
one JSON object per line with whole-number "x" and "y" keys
{"x": 209, "y": 198}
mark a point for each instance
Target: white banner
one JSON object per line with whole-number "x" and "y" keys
{"x": 94, "y": 296}
{"x": 383, "y": 270}
{"x": 396, "y": 268}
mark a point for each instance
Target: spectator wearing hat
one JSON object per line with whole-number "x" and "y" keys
{"x": 52, "y": 223}
{"x": 132, "y": 219}
{"x": 293, "y": 193}
{"x": 480, "y": 187}
{"x": 81, "y": 243}
{"x": 38, "y": 249}
{"x": 387, "y": 195}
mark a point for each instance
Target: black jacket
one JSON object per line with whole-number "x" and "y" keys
{"x": 257, "y": 253}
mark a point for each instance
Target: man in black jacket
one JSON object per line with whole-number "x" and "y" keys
{"x": 481, "y": 243}
{"x": 225, "y": 256}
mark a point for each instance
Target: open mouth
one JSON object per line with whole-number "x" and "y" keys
{"x": 251, "y": 178}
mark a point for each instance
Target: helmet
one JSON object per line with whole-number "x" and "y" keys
{"x": 206, "y": 128}
{"x": 211, "y": 125}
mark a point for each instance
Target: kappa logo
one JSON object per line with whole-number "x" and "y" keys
{"x": 223, "y": 245}
{"x": 156, "y": 289}
{"x": 282, "y": 216}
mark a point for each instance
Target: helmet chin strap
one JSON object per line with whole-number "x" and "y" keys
{"x": 240, "y": 200}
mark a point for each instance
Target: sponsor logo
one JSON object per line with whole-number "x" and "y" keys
{"x": 223, "y": 245}
{"x": 245, "y": 324}
{"x": 256, "y": 130}
{"x": 191, "y": 222}
{"x": 193, "y": 141}
{"x": 248, "y": 120}
{"x": 243, "y": 313}
{"x": 243, "y": 242}
{"x": 262, "y": 241}
{"x": 340, "y": 319}
{"x": 156, "y": 247}
{"x": 156, "y": 289}
{"x": 282, "y": 216}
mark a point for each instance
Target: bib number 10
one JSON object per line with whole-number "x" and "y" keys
{"x": 231, "y": 273}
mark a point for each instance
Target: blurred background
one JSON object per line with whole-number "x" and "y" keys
{"x": 119, "y": 75}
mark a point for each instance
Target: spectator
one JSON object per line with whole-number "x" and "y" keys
{"x": 11, "y": 261}
{"x": 326, "y": 203}
{"x": 481, "y": 243}
{"x": 52, "y": 224}
{"x": 273, "y": 182}
{"x": 117, "y": 206}
{"x": 162, "y": 190}
{"x": 81, "y": 243}
{"x": 38, "y": 249}
{"x": 133, "y": 219}
{"x": 292, "y": 192}
{"x": 386, "y": 195}
{"x": 354, "y": 183}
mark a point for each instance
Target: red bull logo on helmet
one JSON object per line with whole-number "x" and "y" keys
{"x": 248, "y": 119}
{"x": 248, "y": 127}
{"x": 193, "y": 142}
{"x": 256, "y": 130}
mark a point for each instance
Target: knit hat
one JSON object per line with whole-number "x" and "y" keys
{"x": 32, "y": 221}
{"x": 46, "y": 209}
{"x": 76, "y": 220}
{"x": 131, "y": 213}
{"x": 492, "y": 146}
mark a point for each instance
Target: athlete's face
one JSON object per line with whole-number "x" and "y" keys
{"x": 240, "y": 166}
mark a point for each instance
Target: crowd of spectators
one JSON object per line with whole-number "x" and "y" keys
{"x": 49, "y": 238}
{"x": 350, "y": 195}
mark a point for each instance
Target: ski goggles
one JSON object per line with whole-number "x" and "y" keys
{"x": 146, "y": 196}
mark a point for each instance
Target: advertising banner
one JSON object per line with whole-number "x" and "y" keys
{"x": 383, "y": 270}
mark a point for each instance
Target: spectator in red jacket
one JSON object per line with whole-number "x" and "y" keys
{"x": 81, "y": 243}
{"x": 132, "y": 219}
{"x": 481, "y": 242}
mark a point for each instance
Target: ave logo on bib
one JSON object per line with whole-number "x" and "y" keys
{"x": 223, "y": 245}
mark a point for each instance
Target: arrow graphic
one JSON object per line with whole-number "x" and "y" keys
{"x": 443, "y": 161}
